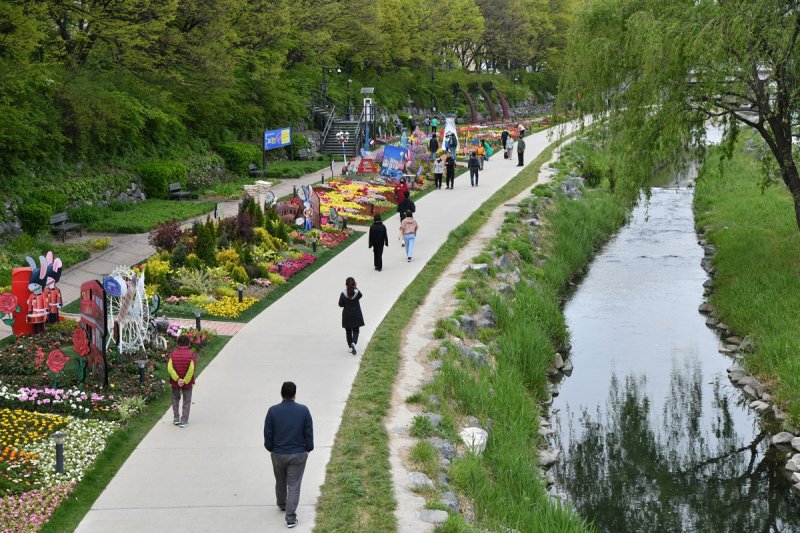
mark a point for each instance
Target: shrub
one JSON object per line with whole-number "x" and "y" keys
{"x": 85, "y": 214}
{"x": 238, "y": 156}
{"x": 228, "y": 258}
{"x": 158, "y": 174}
{"x": 156, "y": 271}
{"x": 239, "y": 274}
{"x": 275, "y": 279}
{"x": 165, "y": 236}
{"x": 57, "y": 200}
{"x": 195, "y": 281}
{"x": 34, "y": 217}
{"x": 225, "y": 292}
{"x": 193, "y": 262}
{"x": 206, "y": 246}
{"x": 204, "y": 171}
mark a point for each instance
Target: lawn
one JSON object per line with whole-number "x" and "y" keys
{"x": 141, "y": 217}
{"x": 13, "y": 253}
{"x": 296, "y": 169}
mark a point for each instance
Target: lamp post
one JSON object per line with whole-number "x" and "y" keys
{"x": 240, "y": 288}
{"x": 343, "y": 137}
{"x": 325, "y": 71}
{"x": 197, "y": 313}
{"x": 141, "y": 363}
{"x": 349, "y": 81}
{"x": 59, "y": 439}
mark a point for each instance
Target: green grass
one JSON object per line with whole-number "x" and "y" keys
{"x": 144, "y": 216}
{"x": 231, "y": 190}
{"x": 757, "y": 283}
{"x": 12, "y": 254}
{"x": 118, "y": 448}
{"x": 296, "y": 169}
{"x": 357, "y": 493}
{"x": 425, "y": 458}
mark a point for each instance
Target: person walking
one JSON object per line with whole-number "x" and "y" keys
{"x": 520, "y": 151}
{"x": 434, "y": 124}
{"x": 406, "y": 205}
{"x": 474, "y": 165}
{"x": 377, "y": 240}
{"x": 433, "y": 145}
{"x": 400, "y": 190}
{"x": 481, "y": 152}
{"x": 181, "y": 365}
{"x": 409, "y": 227}
{"x": 504, "y": 140}
{"x": 352, "y": 319}
{"x": 509, "y": 147}
{"x": 450, "y": 168}
{"x": 289, "y": 438}
{"x": 438, "y": 170}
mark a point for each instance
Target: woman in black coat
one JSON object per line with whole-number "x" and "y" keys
{"x": 352, "y": 319}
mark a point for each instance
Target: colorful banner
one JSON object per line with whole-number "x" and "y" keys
{"x": 277, "y": 138}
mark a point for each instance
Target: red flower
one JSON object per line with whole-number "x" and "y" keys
{"x": 56, "y": 361}
{"x": 79, "y": 341}
{"x": 8, "y": 303}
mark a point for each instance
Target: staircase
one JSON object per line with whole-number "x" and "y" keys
{"x": 331, "y": 145}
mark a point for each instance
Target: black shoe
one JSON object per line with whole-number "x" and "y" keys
{"x": 353, "y": 349}
{"x": 291, "y": 524}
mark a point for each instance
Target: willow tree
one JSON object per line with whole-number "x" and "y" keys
{"x": 658, "y": 71}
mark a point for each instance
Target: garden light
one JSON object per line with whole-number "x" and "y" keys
{"x": 280, "y": 267}
{"x": 59, "y": 439}
{"x": 197, "y": 313}
{"x": 241, "y": 292}
{"x": 140, "y": 363}
{"x": 313, "y": 245}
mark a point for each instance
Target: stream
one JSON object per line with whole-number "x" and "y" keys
{"x": 653, "y": 435}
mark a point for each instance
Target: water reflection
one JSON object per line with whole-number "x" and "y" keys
{"x": 654, "y": 437}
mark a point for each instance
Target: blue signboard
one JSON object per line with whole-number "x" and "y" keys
{"x": 277, "y": 138}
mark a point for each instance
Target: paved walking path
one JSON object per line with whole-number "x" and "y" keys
{"x": 132, "y": 248}
{"x": 215, "y": 475}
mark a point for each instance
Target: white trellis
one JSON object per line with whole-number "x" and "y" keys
{"x": 128, "y": 312}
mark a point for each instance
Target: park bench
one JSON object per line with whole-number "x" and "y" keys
{"x": 255, "y": 172}
{"x": 304, "y": 153}
{"x": 175, "y": 192}
{"x": 60, "y": 224}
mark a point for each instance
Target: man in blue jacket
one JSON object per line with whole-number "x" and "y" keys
{"x": 289, "y": 437}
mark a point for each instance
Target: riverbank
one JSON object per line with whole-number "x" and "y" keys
{"x": 757, "y": 264}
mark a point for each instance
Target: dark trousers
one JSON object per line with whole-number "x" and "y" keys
{"x": 437, "y": 181}
{"x": 176, "y": 401}
{"x": 352, "y": 335}
{"x": 449, "y": 180}
{"x": 520, "y": 157}
{"x": 377, "y": 254}
{"x": 473, "y": 176}
{"x": 288, "y": 469}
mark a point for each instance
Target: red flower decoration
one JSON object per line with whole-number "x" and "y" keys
{"x": 56, "y": 361}
{"x": 8, "y": 303}
{"x": 79, "y": 341}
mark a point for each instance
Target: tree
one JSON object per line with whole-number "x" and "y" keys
{"x": 658, "y": 71}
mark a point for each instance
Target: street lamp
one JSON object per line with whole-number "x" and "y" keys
{"x": 325, "y": 70}
{"x": 349, "y": 81}
{"x": 343, "y": 137}
{"x": 240, "y": 288}
{"x": 59, "y": 439}
{"x": 197, "y": 313}
{"x": 140, "y": 363}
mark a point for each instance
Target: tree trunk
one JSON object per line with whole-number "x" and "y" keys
{"x": 792, "y": 181}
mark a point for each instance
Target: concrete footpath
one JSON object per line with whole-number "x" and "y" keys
{"x": 215, "y": 475}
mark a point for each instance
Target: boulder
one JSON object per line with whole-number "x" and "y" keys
{"x": 782, "y": 438}
{"x": 793, "y": 464}
{"x": 567, "y": 369}
{"x": 443, "y": 446}
{"x": 796, "y": 477}
{"x": 796, "y": 444}
{"x": 505, "y": 262}
{"x": 472, "y": 421}
{"x": 435, "y": 419}
{"x": 796, "y": 487}
{"x": 712, "y": 321}
{"x": 433, "y": 516}
{"x": 750, "y": 391}
{"x": 436, "y": 364}
{"x": 483, "y": 268}
{"x": 475, "y": 439}
{"x": 706, "y": 308}
{"x": 485, "y": 317}
{"x": 733, "y": 339}
{"x": 708, "y": 284}
{"x": 467, "y": 323}
{"x": 760, "y": 407}
{"x": 548, "y": 458}
{"x": 722, "y": 326}
{"x": 558, "y": 361}
{"x": 545, "y": 431}
{"x": 450, "y": 500}
{"x": 746, "y": 345}
{"x": 419, "y": 481}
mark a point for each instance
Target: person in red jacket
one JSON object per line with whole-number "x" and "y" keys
{"x": 181, "y": 366}
{"x": 400, "y": 190}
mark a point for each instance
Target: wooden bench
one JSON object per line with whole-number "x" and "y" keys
{"x": 175, "y": 192}
{"x": 60, "y": 224}
{"x": 255, "y": 172}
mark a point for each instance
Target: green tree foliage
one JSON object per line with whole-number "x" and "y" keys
{"x": 658, "y": 71}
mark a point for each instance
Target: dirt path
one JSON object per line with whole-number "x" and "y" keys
{"x": 414, "y": 370}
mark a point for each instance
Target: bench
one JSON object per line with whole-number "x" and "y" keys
{"x": 175, "y": 192}
{"x": 255, "y": 172}
{"x": 60, "y": 224}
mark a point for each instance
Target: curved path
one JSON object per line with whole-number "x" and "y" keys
{"x": 216, "y": 475}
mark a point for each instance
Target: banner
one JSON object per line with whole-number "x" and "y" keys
{"x": 393, "y": 161}
{"x": 277, "y": 138}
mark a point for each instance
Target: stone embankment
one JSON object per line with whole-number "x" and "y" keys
{"x": 760, "y": 398}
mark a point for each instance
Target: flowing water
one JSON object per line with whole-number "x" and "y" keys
{"x": 653, "y": 435}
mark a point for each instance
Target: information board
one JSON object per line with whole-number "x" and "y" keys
{"x": 277, "y": 138}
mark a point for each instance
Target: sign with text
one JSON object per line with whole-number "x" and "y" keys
{"x": 277, "y": 138}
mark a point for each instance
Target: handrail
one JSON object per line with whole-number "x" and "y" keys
{"x": 327, "y": 129}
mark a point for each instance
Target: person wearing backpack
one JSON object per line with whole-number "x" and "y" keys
{"x": 438, "y": 170}
{"x": 474, "y": 165}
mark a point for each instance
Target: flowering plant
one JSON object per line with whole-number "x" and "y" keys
{"x": 8, "y": 306}
{"x": 293, "y": 266}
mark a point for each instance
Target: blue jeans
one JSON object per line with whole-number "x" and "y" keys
{"x": 409, "y": 238}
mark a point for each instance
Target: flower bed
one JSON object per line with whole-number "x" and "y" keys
{"x": 293, "y": 266}
{"x": 357, "y": 200}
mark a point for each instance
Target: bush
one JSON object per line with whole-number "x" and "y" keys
{"x": 238, "y": 156}
{"x": 239, "y": 274}
{"x": 34, "y": 217}
{"x": 205, "y": 171}
{"x": 158, "y": 174}
{"x": 165, "y": 236}
{"x": 57, "y": 200}
{"x": 85, "y": 214}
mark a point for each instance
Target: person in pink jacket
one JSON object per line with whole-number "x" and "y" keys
{"x": 181, "y": 367}
{"x": 408, "y": 228}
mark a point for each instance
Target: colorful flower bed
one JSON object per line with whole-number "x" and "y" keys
{"x": 31, "y": 411}
{"x": 357, "y": 200}
{"x": 206, "y": 267}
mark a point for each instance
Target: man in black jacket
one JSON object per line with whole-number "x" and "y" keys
{"x": 377, "y": 240}
{"x": 433, "y": 145}
{"x": 406, "y": 205}
{"x": 289, "y": 437}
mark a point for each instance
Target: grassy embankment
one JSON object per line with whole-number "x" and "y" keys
{"x": 357, "y": 494}
{"x": 757, "y": 284}
{"x": 121, "y": 444}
